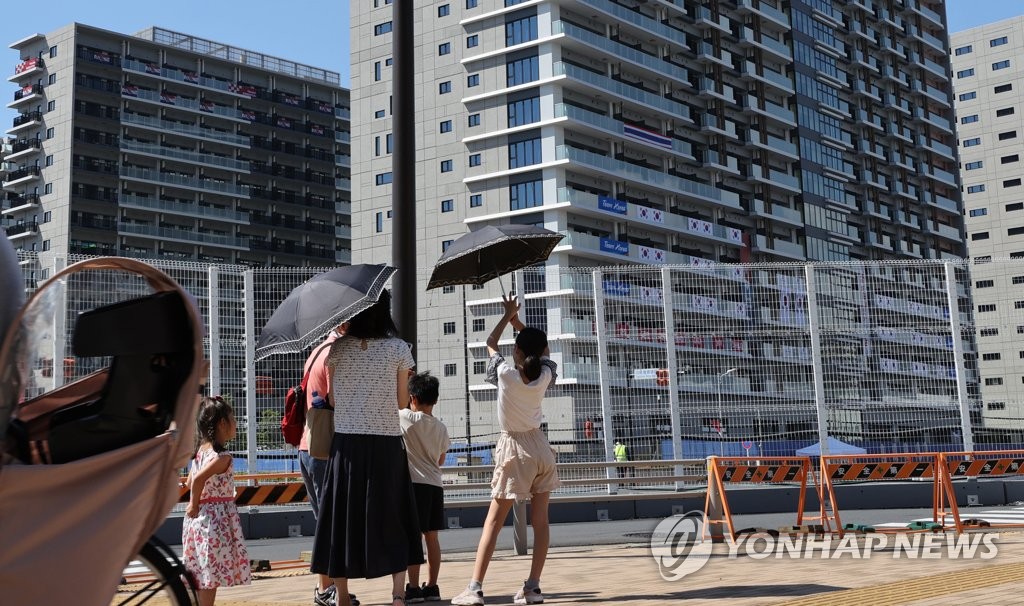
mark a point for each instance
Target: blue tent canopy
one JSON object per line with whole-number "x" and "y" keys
{"x": 835, "y": 447}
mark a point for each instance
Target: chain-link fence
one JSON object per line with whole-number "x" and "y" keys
{"x": 672, "y": 361}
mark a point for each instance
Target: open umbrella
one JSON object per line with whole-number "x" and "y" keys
{"x": 320, "y": 304}
{"x": 492, "y": 251}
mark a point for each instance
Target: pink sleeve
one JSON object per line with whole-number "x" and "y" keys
{"x": 319, "y": 380}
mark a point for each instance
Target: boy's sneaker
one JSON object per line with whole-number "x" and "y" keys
{"x": 329, "y": 597}
{"x": 431, "y": 593}
{"x": 413, "y": 594}
{"x": 469, "y": 598}
{"x": 528, "y": 596}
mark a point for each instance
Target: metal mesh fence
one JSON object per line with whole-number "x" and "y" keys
{"x": 672, "y": 361}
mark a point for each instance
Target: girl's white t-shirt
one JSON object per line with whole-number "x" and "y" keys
{"x": 519, "y": 404}
{"x": 365, "y": 388}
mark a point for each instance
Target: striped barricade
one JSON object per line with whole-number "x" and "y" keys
{"x": 955, "y": 466}
{"x": 262, "y": 491}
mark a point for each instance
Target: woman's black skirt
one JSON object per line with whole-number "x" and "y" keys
{"x": 367, "y": 526}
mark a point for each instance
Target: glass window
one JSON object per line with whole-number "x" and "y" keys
{"x": 472, "y": 80}
{"x": 472, "y": 41}
{"x": 444, "y": 48}
{"x": 476, "y": 200}
{"x": 984, "y": 284}
{"x": 51, "y": 78}
{"x": 474, "y": 120}
{"x": 450, "y": 370}
{"x": 524, "y": 111}
{"x": 376, "y": 71}
{"x": 1006, "y": 111}
{"x": 965, "y": 73}
{"x": 520, "y": 30}
{"x": 973, "y": 165}
{"x": 478, "y": 325}
{"x": 963, "y": 50}
{"x": 379, "y": 114}
{"x": 53, "y": 52}
{"x": 471, "y": 3}
{"x": 449, "y": 327}
{"x": 968, "y": 96}
{"x": 443, "y": 10}
{"x": 1003, "y": 88}
{"x": 1015, "y": 231}
{"x": 48, "y": 188}
{"x": 981, "y": 235}
{"x": 479, "y": 367}
{"x": 979, "y": 212}
{"x": 1014, "y": 206}
{"x": 379, "y": 222}
{"x": 998, "y": 65}
{"x": 446, "y": 126}
{"x": 474, "y": 159}
{"x": 444, "y": 246}
{"x": 49, "y": 133}
{"x": 975, "y": 189}
{"x": 51, "y": 105}
{"x": 447, "y": 206}
{"x": 521, "y": 71}
{"x": 524, "y": 153}
{"x": 1010, "y": 134}
{"x": 1012, "y": 183}
{"x": 972, "y": 142}
{"x": 969, "y": 119}
{"x": 383, "y": 178}
{"x": 526, "y": 194}
{"x": 997, "y": 41}
{"x": 1009, "y": 159}
{"x": 382, "y": 28}
{"x": 444, "y": 87}
{"x": 446, "y": 166}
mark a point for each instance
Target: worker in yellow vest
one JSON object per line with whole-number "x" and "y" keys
{"x": 621, "y": 456}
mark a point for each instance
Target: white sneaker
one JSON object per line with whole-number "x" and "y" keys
{"x": 469, "y": 598}
{"x": 528, "y": 596}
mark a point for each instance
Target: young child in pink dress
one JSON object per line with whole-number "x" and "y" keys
{"x": 213, "y": 547}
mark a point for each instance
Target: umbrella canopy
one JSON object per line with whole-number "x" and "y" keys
{"x": 835, "y": 447}
{"x": 492, "y": 251}
{"x": 320, "y": 304}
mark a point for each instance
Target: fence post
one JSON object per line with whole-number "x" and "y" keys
{"x": 673, "y": 371}
{"x": 958, "y": 356}
{"x": 519, "y": 536}
{"x": 60, "y": 317}
{"x": 817, "y": 361}
{"x": 604, "y": 376}
{"x": 213, "y": 325}
{"x": 249, "y": 294}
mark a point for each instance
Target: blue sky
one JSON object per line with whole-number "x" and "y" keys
{"x": 314, "y": 32}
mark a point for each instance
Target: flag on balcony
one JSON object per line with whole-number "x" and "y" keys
{"x": 206, "y": 106}
{"x": 734, "y": 234}
{"x": 166, "y": 97}
{"x": 248, "y": 115}
{"x": 152, "y": 69}
{"x": 130, "y": 90}
{"x": 647, "y": 136}
{"x": 290, "y": 100}
{"x": 191, "y": 77}
{"x": 316, "y": 129}
{"x": 716, "y": 425}
{"x": 102, "y": 57}
{"x": 651, "y": 214}
{"x": 26, "y": 65}
{"x": 284, "y": 122}
{"x": 26, "y": 90}
{"x": 324, "y": 107}
{"x": 243, "y": 89}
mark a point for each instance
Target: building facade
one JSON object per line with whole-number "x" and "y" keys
{"x": 988, "y": 72}
{"x": 686, "y": 134}
{"x": 164, "y": 145}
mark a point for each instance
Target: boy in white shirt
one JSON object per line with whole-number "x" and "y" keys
{"x": 426, "y": 443}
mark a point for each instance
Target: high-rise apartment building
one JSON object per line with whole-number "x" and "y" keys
{"x": 164, "y": 145}
{"x": 988, "y": 68}
{"x": 684, "y": 133}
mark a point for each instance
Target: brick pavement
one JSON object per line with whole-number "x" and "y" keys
{"x": 629, "y": 575}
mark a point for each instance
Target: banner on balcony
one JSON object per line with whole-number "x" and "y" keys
{"x": 102, "y": 57}
{"x": 152, "y": 69}
{"x": 248, "y": 115}
{"x": 323, "y": 107}
{"x": 316, "y": 129}
{"x": 614, "y": 246}
{"x": 615, "y": 288}
{"x": 698, "y": 226}
{"x": 169, "y": 98}
{"x": 130, "y": 90}
{"x": 734, "y": 235}
{"x": 206, "y": 106}
{"x": 648, "y": 293}
{"x": 651, "y": 215}
{"x": 290, "y": 100}
{"x": 651, "y": 255}
{"x": 283, "y": 122}
{"x": 647, "y": 136}
{"x": 26, "y": 65}
{"x": 612, "y": 205}
{"x": 190, "y": 77}
{"x": 245, "y": 90}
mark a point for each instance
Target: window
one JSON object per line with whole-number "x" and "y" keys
{"x": 1011, "y": 183}
{"x": 989, "y": 357}
{"x": 388, "y": 62}
{"x": 49, "y": 161}
{"x": 520, "y": 30}
{"x": 53, "y": 52}
{"x": 1014, "y": 206}
{"x": 51, "y": 105}
{"x": 449, "y": 328}
{"x": 378, "y": 114}
{"x": 972, "y": 142}
{"x": 981, "y": 235}
{"x": 969, "y": 119}
{"x": 1003, "y": 88}
{"x": 984, "y": 284}
{"x": 443, "y": 10}
{"x": 479, "y": 368}
{"x": 995, "y": 380}
{"x": 383, "y": 178}
{"x": 968, "y": 96}
{"x": 376, "y": 71}
{"x": 382, "y": 28}
{"x": 446, "y": 166}
{"x": 49, "y": 133}
{"x": 979, "y": 212}
{"x": 447, "y": 206}
{"x": 444, "y": 48}
{"x": 1018, "y": 280}
{"x": 989, "y": 332}
{"x": 472, "y": 80}
{"x": 1006, "y": 111}
{"x": 1010, "y": 134}
{"x": 47, "y": 216}
{"x": 521, "y": 71}
{"x": 478, "y": 325}
{"x": 526, "y": 194}
{"x": 1015, "y": 231}
{"x": 986, "y": 308}
{"x": 997, "y": 41}
{"x": 524, "y": 111}
{"x": 524, "y": 153}
{"x": 963, "y": 50}
{"x": 476, "y": 200}
{"x": 51, "y": 78}
{"x": 472, "y": 41}
{"x": 444, "y": 87}
{"x": 379, "y": 222}
{"x": 446, "y": 126}
{"x": 448, "y": 290}
{"x": 973, "y": 165}
{"x": 998, "y": 65}
{"x": 965, "y": 73}
{"x": 975, "y": 189}
{"x": 474, "y": 120}
{"x": 996, "y": 405}
{"x": 1009, "y": 159}
{"x": 48, "y": 188}
{"x": 471, "y": 3}
{"x": 450, "y": 370}
{"x": 388, "y": 140}
{"x": 474, "y": 159}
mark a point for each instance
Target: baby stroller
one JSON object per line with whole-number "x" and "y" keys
{"x": 90, "y": 468}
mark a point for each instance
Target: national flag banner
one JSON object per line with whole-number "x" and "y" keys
{"x": 716, "y": 425}
{"x": 737, "y": 345}
{"x": 718, "y": 342}
{"x": 622, "y": 330}
{"x": 169, "y": 98}
{"x": 682, "y": 340}
{"x": 316, "y": 129}
{"x": 734, "y": 234}
{"x": 26, "y": 65}
{"x": 652, "y": 255}
{"x": 102, "y": 57}
{"x": 647, "y": 136}
{"x": 324, "y": 107}
{"x": 190, "y": 77}
{"x": 152, "y": 69}
{"x": 246, "y": 90}
{"x": 697, "y": 342}
{"x": 248, "y": 115}
{"x": 290, "y": 100}
{"x": 27, "y": 89}
{"x": 644, "y": 334}
{"x": 651, "y": 215}
{"x": 283, "y": 122}
{"x": 206, "y": 106}
{"x": 130, "y": 90}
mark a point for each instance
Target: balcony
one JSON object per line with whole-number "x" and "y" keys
{"x": 171, "y": 100}
{"x": 343, "y": 231}
{"x": 773, "y": 143}
{"x": 29, "y": 67}
{"x": 709, "y": 87}
{"x": 865, "y": 60}
{"x": 21, "y": 176}
{"x": 711, "y": 123}
{"x": 18, "y": 203}
{"x": 765, "y": 11}
{"x": 936, "y": 146}
{"x": 342, "y": 137}
{"x": 25, "y": 122}
{"x": 29, "y": 92}
{"x": 23, "y": 148}
{"x": 708, "y": 53}
{"x": 768, "y": 76}
{"x": 905, "y": 160}
{"x": 774, "y": 177}
{"x": 934, "y": 41}
{"x": 876, "y": 180}
{"x": 188, "y": 77}
{"x": 778, "y": 112}
{"x": 722, "y": 162}
{"x": 878, "y": 210}
{"x": 766, "y": 44}
{"x": 946, "y": 231}
{"x": 174, "y": 234}
{"x": 942, "y": 202}
{"x": 934, "y": 93}
{"x": 615, "y": 127}
{"x": 653, "y": 178}
{"x": 942, "y": 175}
{"x": 706, "y": 19}
{"x": 630, "y": 93}
{"x": 779, "y": 247}
{"x": 908, "y": 220}
{"x": 190, "y": 157}
{"x": 874, "y": 149}
{"x": 933, "y": 119}
{"x": 607, "y": 46}
{"x": 343, "y": 255}
{"x": 184, "y": 209}
{"x": 22, "y": 230}
{"x": 168, "y": 126}
{"x": 880, "y": 241}
{"x": 342, "y": 113}
{"x": 343, "y": 208}
{"x": 621, "y": 13}
{"x": 163, "y": 178}
{"x": 777, "y": 213}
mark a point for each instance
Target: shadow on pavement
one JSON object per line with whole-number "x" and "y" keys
{"x": 741, "y": 591}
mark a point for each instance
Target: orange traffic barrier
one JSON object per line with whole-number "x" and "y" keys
{"x": 962, "y": 465}
{"x": 877, "y": 467}
{"x": 726, "y": 471}
{"x": 261, "y": 491}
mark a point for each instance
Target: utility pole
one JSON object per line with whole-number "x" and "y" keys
{"x": 403, "y": 168}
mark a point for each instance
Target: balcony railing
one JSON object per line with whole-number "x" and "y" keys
{"x": 184, "y": 129}
{"x": 27, "y": 92}
{"x": 185, "y": 156}
{"x": 18, "y": 229}
{"x": 625, "y": 91}
{"x": 26, "y": 172}
{"x": 612, "y": 125}
{"x": 182, "y": 235}
{"x": 181, "y": 208}
{"x": 144, "y": 174}
{"x": 621, "y": 51}
{"x": 172, "y": 100}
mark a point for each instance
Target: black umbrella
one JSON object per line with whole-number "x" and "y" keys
{"x": 492, "y": 251}
{"x": 318, "y": 305}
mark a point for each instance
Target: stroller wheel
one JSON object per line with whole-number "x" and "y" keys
{"x": 156, "y": 573}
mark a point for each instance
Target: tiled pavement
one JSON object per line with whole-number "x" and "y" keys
{"x": 629, "y": 575}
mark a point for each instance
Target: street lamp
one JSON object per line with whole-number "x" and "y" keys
{"x": 721, "y": 434}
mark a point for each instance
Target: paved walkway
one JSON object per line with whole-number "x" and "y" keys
{"x": 629, "y": 575}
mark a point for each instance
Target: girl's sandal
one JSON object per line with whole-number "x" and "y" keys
{"x": 399, "y": 599}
